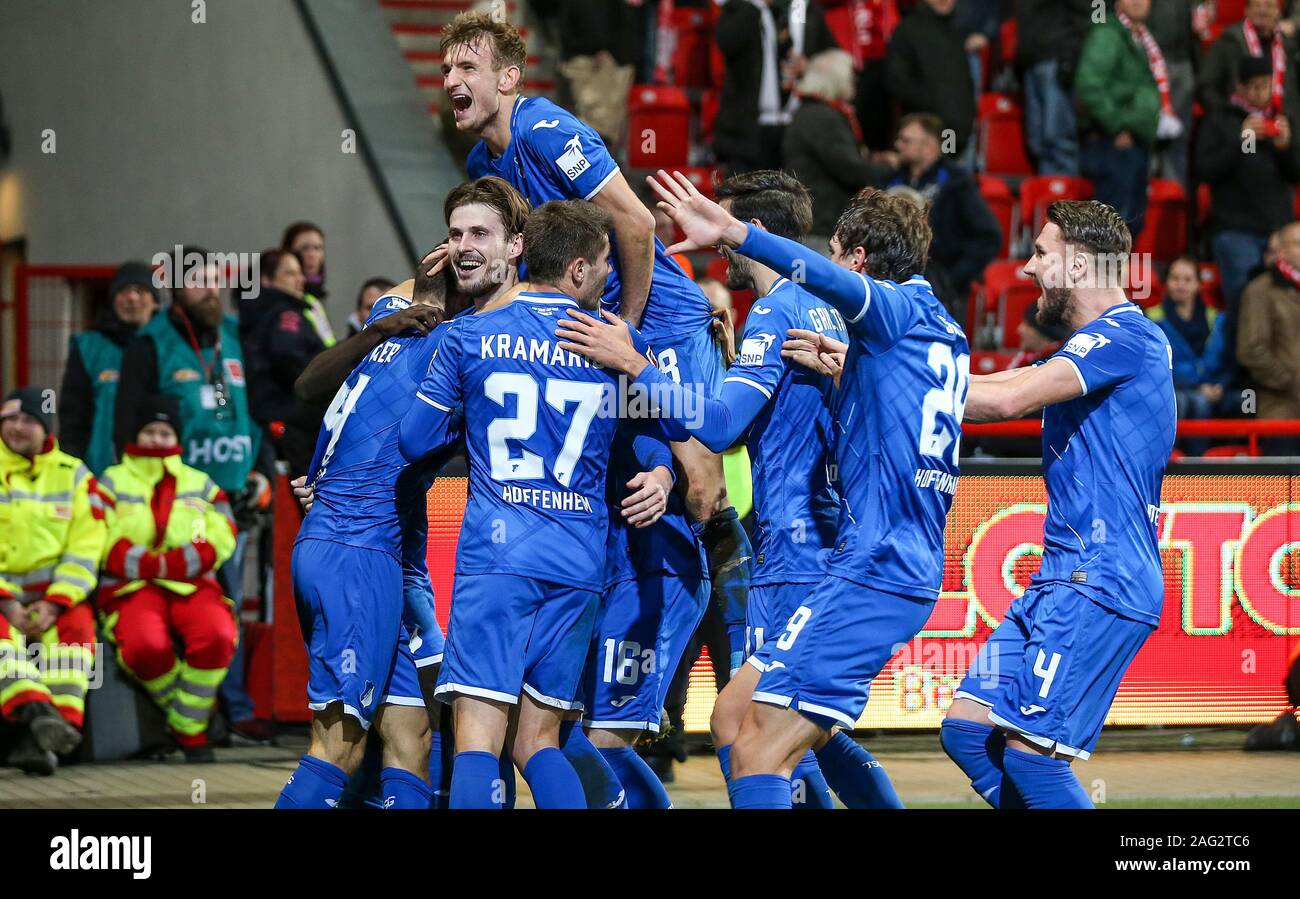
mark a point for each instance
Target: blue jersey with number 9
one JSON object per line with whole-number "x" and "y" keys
{"x": 897, "y": 432}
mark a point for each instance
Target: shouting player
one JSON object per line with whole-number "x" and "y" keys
{"x": 896, "y": 418}
{"x": 366, "y": 504}
{"x": 1039, "y": 691}
{"x": 538, "y": 423}
{"x": 780, "y": 409}
{"x": 548, "y": 154}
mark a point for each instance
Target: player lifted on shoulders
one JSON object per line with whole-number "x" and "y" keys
{"x": 897, "y": 419}
{"x": 1039, "y": 691}
{"x": 531, "y": 558}
{"x": 548, "y": 154}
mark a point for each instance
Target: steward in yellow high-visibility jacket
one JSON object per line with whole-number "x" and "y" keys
{"x": 51, "y": 538}
{"x": 169, "y": 528}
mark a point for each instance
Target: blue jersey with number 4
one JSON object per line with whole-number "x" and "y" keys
{"x": 1104, "y": 458}
{"x": 897, "y": 419}
{"x": 539, "y": 422}
{"x": 552, "y": 155}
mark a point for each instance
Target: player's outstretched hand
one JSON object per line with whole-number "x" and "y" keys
{"x": 648, "y": 500}
{"x": 818, "y": 352}
{"x": 416, "y": 317}
{"x": 608, "y": 344}
{"x": 303, "y": 492}
{"x": 704, "y": 222}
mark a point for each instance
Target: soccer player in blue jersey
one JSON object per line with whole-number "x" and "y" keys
{"x": 1038, "y": 693}
{"x": 781, "y": 410}
{"x": 548, "y": 154}
{"x": 538, "y": 423}
{"x": 367, "y": 509}
{"x": 896, "y": 419}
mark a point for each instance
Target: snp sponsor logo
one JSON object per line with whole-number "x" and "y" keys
{"x": 89, "y": 853}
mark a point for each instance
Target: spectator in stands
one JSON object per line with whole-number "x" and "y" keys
{"x": 307, "y": 242}
{"x": 1266, "y": 340}
{"x": 863, "y": 28}
{"x": 1259, "y": 36}
{"x": 373, "y": 289}
{"x": 159, "y": 588}
{"x": 1203, "y": 372}
{"x": 967, "y": 236}
{"x": 50, "y": 545}
{"x": 95, "y": 363}
{"x": 1171, "y": 24}
{"x": 1123, "y": 93}
{"x": 280, "y": 341}
{"x": 980, "y": 24}
{"x": 192, "y": 352}
{"x": 1037, "y": 340}
{"x": 1047, "y": 63}
{"x": 1247, "y": 156}
{"x": 823, "y": 144}
{"x": 599, "y": 42}
{"x": 927, "y": 71}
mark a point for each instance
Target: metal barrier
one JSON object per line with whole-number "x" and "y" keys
{"x": 1249, "y": 429}
{"x": 51, "y": 303}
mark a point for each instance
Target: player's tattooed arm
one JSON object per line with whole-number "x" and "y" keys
{"x": 327, "y": 371}
{"x": 1055, "y": 381}
{"x": 824, "y": 355}
{"x": 634, "y": 238}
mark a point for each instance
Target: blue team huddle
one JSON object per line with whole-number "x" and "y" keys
{"x": 557, "y": 345}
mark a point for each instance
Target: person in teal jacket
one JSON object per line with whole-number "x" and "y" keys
{"x": 94, "y": 366}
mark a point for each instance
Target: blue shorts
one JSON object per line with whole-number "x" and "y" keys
{"x": 694, "y": 360}
{"x": 1051, "y": 669}
{"x": 642, "y": 631}
{"x": 767, "y": 613}
{"x": 414, "y": 652}
{"x": 349, "y": 603}
{"x": 511, "y": 634}
{"x": 837, "y": 639}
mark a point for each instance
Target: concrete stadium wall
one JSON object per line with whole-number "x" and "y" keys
{"x": 217, "y": 133}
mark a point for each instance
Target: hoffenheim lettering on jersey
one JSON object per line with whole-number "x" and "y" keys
{"x": 1104, "y": 458}
{"x": 552, "y": 155}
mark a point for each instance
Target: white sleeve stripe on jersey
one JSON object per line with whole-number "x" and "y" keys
{"x": 757, "y": 386}
{"x": 601, "y": 186}
{"x": 421, "y": 396}
{"x": 866, "y": 299}
{"x": 1077, "y": 373}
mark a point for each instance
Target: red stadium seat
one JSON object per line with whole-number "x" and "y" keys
{"x": 1202, "y": 205}
{"x": 1219, "y": 452}
{"x": 709, "y": 103}
{"x": 1037, "y": 193}
{"x": 1009, "y": 39}
{"x": 694, "y": 29}
{"x": 1228, "y": 12}
{"x": 1007, "y": 292}
{"x": 1001, "y": 136}
{"x": 1144, "y": 287}
{"x": 1165, "y": 234}
{"x": 659, "y": 126}
{"x": 704, "y": 178}
{"x": 998, "y": 195}
{"x": 985, "y": 362}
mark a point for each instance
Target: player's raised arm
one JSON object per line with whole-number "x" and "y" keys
{"x": 634, "y": 236}
{"x": 686, "y": 412}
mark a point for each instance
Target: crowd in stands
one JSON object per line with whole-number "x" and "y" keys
{"x": 1176, "y": 112}
{"x": 172, "y": 413}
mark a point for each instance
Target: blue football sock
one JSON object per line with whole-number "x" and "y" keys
{"x": 760, "y": 791}
{"x": 724, "y": 762}
{"x": 553, "y": 781}
{"x": 730, "y": 558}
{"x": 978, "y": 750}
{"x": 808, "y": 787}
{"x": 600, "y": 782}
{"x": 1044, "y": 782}
{"x": 854, "y": 774}
{"x": 642, "y": 786}
{"x": 315, "y": 783}
{"x": 402, "y": 789}
{"x": 506, "y": 769}
{"x": 442, "y": 754}
{"x": 476, "y": 781}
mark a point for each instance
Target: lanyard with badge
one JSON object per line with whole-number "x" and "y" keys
{"x": 212, "y": 392}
